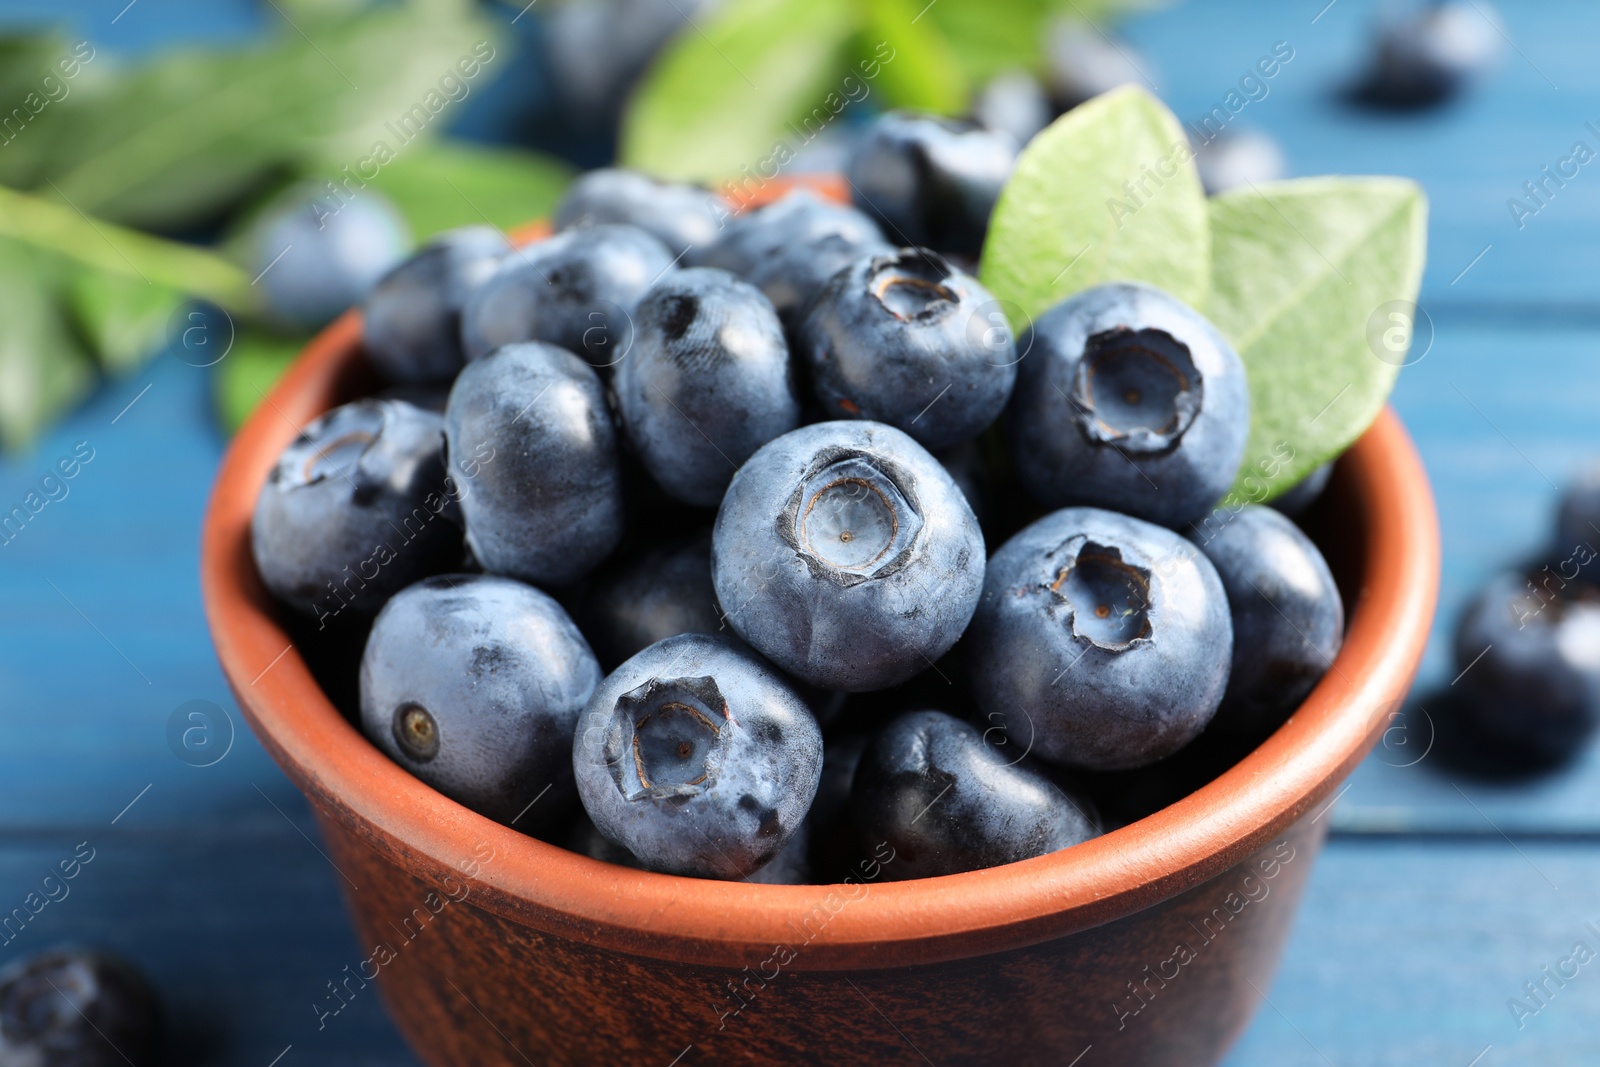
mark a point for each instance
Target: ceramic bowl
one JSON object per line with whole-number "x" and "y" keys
{"x": 1151, "y": 944}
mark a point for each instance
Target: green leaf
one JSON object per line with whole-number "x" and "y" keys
{"x": 738, "y": 93}
{"x": 64, "y": 232}
{"x": 1108, "y": 192}
{"x": 123, "y": 319}
{"x": 190, "y": 133}
{"x": 1306, "y": 276}
{"x": 445, "y": 184}
{"x": 998, "y": 35}
{"x": 924, "y": 73}
{"x": 43, "y": 368}
{"x": 250, "y": 369}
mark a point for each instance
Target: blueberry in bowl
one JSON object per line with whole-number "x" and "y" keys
{"x": 948, "y": 801}
{"x": 707, "y": 382}
{"x": 546, "y": 504}
{"x": 576, "y": 289}
{"x": 1288, "y": 619}
{"x": 474, "y": 684}
{"x": 1129, "y": 400}
{"x": 356, "y": 508}
{"x": 929, "y": 180}
{"x": 698, "y": 758}
{"x": 656, "y": 592}
{"x": 1102, "y": 641}
{"x": 682, "y": 217}
{"x": 907, "y": 339}
{"x": 844, "y": 553}
{"x": 791, "y": 247}
{"x": 411, "y": 321}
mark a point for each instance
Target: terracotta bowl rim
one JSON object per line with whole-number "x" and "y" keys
{"x": 856, "y": 925}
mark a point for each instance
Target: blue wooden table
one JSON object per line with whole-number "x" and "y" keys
{"x": 1439, "y": 896}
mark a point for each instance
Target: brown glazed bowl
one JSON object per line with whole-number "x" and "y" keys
{"x": 1149, "y": 945}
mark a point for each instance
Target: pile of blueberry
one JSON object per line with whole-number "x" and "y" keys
{"x": 669, "y": 540}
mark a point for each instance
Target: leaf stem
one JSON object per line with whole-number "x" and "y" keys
{"x": 68, "y": 232}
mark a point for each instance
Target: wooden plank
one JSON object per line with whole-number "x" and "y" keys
{"x": 1406, "y": 952}
{"x": 240, "y": 933}
{"x": 1499, "y": 436}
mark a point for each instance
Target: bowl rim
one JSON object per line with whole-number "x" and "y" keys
{"x": 867, "y": 923}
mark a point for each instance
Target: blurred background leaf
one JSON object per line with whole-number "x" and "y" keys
{"x": 44, "y": 369}
{"x": 173, "y": 141}
{"x": 254, "y": 364}
{"x": 443, "y": 184}
{"x": 925, "y": 73}
{"x": 723, "y": 93}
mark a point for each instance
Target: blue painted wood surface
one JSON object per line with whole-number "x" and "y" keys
{"x": 1439, "y": 895}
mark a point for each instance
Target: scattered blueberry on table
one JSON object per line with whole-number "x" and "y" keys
{"x": 1432, "y": 53}
{"x": 74, "y": 1007}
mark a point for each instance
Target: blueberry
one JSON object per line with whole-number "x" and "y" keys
{"x": 357, "y": 508}
{"x": 1128, "y": 400}
{"x": 931, "y": 181}
{"x": 595, "y": 52}
{"x": 1013, "y": 101}
{"x": 546, "y": 505}
{"x": 970, "y": 471}
{"x": 474, "y": 684}
{"x": 845, "y": 554}
{"x": 792, "y": 866}
{"x": 313, "y": 257}
{"x": 1578, "y": 520}
{"x": 1528, "y": 666}
{"x": 661, "y": 592}
{"x": 1433, "y": 54}
{"x": 792, "y": 246}
{"x": 77, "y": 1008}
{"x": 707, "y": 382}
{"x": 1297, "y": 500}
{"x": 947, "y": 801}
{"x": 1083, "y": 62}
{"x": 1235, "y": 158}
{"x": 586, "y": 840}
{"x": 576, "y": 289}
{"x": 697, "y": 757}
{"x": 904, "y": 338}
{"x": 682, "y": 217}
{"x": 412, "y": 326}
{"x": 430, "y": 398}
{"x": 1102, "y": 641}
{"x": 1288, "y": 620}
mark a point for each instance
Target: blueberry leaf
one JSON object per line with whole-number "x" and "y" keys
{"x": 122, "y": 318}
{"x": 921, "y": 71}
{"x": 443, "y": 184}
{"x": 1307, "y": 278}
{"x": 742, "y": 91}
{"x": 43, "y": 367}
{"x": 187, "y": 135}
{"x": 999, "y": 35}
{"x": 1108, "y": 192}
